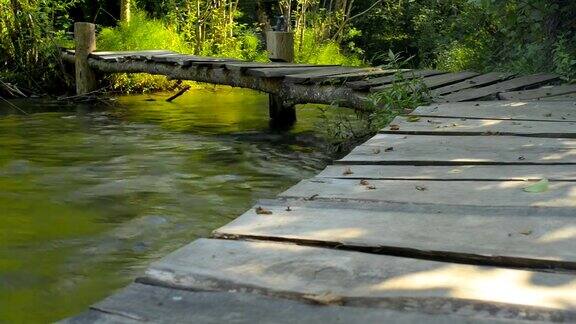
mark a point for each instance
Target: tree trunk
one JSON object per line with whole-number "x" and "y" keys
{"x": 125, "y": 10}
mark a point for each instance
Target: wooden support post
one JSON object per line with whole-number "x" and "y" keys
{"x": 280, "y": 45}
{"x": 85, "y": 39}
{"x": 282, "y": 114}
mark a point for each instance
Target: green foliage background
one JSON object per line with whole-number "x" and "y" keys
{"x": 517, "y": 35}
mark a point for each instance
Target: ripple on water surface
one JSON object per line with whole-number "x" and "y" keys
{"x": 88, "y": 199}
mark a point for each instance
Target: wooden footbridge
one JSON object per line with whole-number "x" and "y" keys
{"x": 289, "y": 84}
{"x": 461, "y": 212}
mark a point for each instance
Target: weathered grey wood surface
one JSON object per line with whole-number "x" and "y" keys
{"x": 464, "y": 126}
{"x": 144, "y": 303}
{"x": 360, "y": 75}
{"x": 529, "y": 237}
{"x": 316, "y": 76}
{"x": 458, "y": 193}
{"x": 455, "y": 150}
{"x": 520, "y": 110}
{"x": 570, "y": 97}
{"x": 481, "y": 80}
{"x": 445, "y": 172}
{"x": 547, "y": 91}
{"x": 241, "y": 66}
{"x": 374, "y": 82}
{"x": 122, "y": 55}
{"x": 513, "y": 84}
{"x": 281, "y": 72}
{"x": 435, "y": 81}
{"x": 302, "y": 272}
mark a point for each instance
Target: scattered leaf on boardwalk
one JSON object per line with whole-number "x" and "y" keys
{"x": 413, "y": 119}
{"x": 394, "y": 127}
{"x": 347, "y": 171}
{"x": 325, "y": 299}
{"x": 526, "y": 232}
{"x": 419, "y": 188}
{"x": 312, "y": 197}
{"x": 376, "y": 150}
{"x": 371, "y": 187}
{"x": 389, "y": 149}
{"x": 263, "y": 211}
{"x": 288, "y": 208}
{"x": 540, "y": 186}
{"x": 364, "y": 182}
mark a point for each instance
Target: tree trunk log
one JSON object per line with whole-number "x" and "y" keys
{"x": 85, "y": 39}
{"x": 290, "y": 93}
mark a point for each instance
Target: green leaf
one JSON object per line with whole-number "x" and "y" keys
{"x": 412, "y": 119}
{"x": 540, "y": 186}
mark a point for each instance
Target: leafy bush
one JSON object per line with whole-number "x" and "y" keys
{"x": 30, "y": 32}
{"x": 523, "y": 36}
{"x": 344, "y": 131}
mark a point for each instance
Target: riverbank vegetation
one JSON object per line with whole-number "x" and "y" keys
{"x": 519, "y": 35}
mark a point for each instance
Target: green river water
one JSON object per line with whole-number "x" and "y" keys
{"x": 89, "y": 197}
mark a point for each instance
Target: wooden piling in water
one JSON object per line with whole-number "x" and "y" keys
{"x": 280, "y": 46}
{"x": 85, "y": 41}
{"x": 281, "y": 113}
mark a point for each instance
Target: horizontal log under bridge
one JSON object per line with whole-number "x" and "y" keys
{"x": 289, "y": 84}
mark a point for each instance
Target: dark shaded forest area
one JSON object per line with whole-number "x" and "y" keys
{"x": 483, "y": 35}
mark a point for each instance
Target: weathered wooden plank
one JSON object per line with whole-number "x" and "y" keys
{"x": 439, "y": 80}
{"x": 320, "y": 75}
{"x": 491, "y": 90}
{"x": 571, "y": 97}
{"x": 460, "y": 193}
{"x": 543, "y": 238}
{"x": 481, "y": 80}
{"x": 435, "y": 81}
{"x": 121, "y": 55}
{"x": 547, "y": 91}
{"x": 164, "y": 305}
{"x": 242, "y": 66}
{"x": 360, "y": 74}
{"x": 365, "y": 84}
{"x": 460, "y": 150}
{"x": 465, "y": 126}
{"x": 332, "y": 275}
{"x": 502, "y": 110}
{"x": 445, "y": 172}
{"x": 281, "y": 72}
{"x": 188, "y": 60}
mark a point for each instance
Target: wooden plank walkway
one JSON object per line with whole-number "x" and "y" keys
{"x": 444, "y": 87}
{"x": 426, "y": 222}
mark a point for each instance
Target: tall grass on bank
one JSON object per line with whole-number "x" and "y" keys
{"x": 141, "y": 33}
